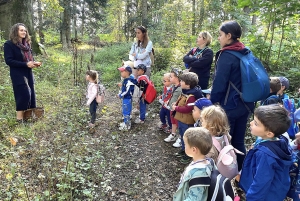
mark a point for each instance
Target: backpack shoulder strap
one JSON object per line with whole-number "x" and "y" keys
{"x": 199, "y": 181}
{"x": 216, "y": 144}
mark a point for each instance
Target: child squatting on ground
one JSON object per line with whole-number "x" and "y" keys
{"x": 165, "y": 109}
{"x": 198, "y": 142}
{"x": 176, "y": 91}
{"x": 127, "y": 89}
{"x": 92, "y": 89}
{"x": 265, "y": 172}
{"x": 183, "y": 113}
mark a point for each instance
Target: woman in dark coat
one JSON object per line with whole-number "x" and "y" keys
{"x": 228, "y": 69}
{"x": 18, "y": 56}
{"x": 199, "y": 59}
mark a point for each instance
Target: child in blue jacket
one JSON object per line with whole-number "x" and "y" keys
{"x": 265, "y": 172}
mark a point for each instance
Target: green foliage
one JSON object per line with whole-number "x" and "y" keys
{"x": 163, "y": 58}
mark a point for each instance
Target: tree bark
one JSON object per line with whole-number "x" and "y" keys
{"x": 40, "y": 19}
{"x": 18, "y": 11}
{"x": 194, "y": 18}
{"x": 66, "y": 24}
{"x": 144, "y": 13}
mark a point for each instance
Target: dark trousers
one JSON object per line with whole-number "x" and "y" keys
{"x": 163, "y": 113}
{"x": 182, "y": 127}
{"x": 238, "y": 124}
{"x": 93, "y": 109}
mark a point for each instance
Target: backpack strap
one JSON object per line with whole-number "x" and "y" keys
{"x": 199, "y": 181}
{"x": 216, "y": 144}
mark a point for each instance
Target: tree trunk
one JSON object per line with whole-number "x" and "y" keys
{"x": 18, "y": 11}
{"x": 194, "y": 18}
{"x": 201, "y": 17}
{"x": 144, "y": 13}
{"x": 40, "y": 19}
{"x": 66, "y": 25}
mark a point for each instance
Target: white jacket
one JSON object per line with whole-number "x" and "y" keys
{"x": 91, "y": 94}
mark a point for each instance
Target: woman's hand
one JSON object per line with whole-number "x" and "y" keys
{"x": 31, "y": 64}
{"x": 134, "y": 54}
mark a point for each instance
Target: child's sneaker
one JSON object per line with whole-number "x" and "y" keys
{"x": 162, "y": 127}
{"x": 124, "y": 127}
{"x": 185, "y": 159}
{"x": 177, "y": 143}
{"x": 138, "y": 121}
{"x": 170, "y": 138}
{"x": 180, "y": 154}
{"x": 91, "y": 125}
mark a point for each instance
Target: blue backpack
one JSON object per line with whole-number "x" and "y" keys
{"x": 254, "y": 77}
{"x": 289, "y": 105}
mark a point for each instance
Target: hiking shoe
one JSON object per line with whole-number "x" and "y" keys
{"x": 91, "y": 125}
{"x": 170, "y": 138}
{"x": 177, "y": 143}
{"x": 162, "y": 127}
{"x": 185, "y": 159}
{"x": 180, "y": 154}
{"x": 124, "y": 127}
{"x": 138, "y": 121}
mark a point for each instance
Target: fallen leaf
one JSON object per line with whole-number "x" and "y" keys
{"x": 13, "y": 141}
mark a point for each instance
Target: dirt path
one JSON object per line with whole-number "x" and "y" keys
{"x": 139, "y": 165}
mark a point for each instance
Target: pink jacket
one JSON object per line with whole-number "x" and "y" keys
{"x": 92, "y": 90}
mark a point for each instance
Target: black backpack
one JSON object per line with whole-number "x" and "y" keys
{"x": 219, "y": 186}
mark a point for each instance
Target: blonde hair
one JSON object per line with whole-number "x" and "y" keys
{"x": 206, "y": 35}
{"x": 93, "y": 74}
{"x": 200, "y": 138}
{"x": 216, "y": 120}
{"x": 167, "y": 75}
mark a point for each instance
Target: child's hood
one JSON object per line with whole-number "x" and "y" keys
{"x": 195, "y": 91}
{"x": 278, "y": 149}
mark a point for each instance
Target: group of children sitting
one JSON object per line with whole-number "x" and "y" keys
{"x": 265, "y": 172}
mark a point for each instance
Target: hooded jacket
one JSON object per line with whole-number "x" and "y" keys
{"x": 228, "y": 69}
{"x": 127, "y": 88}
{"x": 183, "y": 111}
{"x": 265, "y": 172}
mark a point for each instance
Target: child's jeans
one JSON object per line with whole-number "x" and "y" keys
{"x": 143, "y": 106}
{"x": 182, "y": 127}
{"x": 93, "y": 109}
{"x": 163, "y": 113}
{"x": 126, "y": 110}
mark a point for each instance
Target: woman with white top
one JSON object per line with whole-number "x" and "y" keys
{"x": 141, "y": 50}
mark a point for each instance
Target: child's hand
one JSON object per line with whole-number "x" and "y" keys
{"x": 297, "y": 139}
{"x": 118, "y": 96}
{"x": 119, "y": 84}
{"x": 161, "y": 101}
{"x": 173, "y": 107}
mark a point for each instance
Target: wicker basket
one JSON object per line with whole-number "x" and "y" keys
{"x": 33, "y": 113}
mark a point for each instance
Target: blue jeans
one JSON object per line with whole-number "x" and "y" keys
{"x": 93, "y": 109}
{"x": 143, "y": 106}
{"x": 126, "y": 110}
{"x": 163, "y": 113}
{"x": 182, "y": 127}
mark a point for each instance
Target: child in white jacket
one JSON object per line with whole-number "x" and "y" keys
{"x": 92, "y": 90}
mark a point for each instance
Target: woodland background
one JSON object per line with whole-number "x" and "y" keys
{"x": 51, "y": 159}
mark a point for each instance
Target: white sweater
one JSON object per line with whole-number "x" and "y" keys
{"x": 92, "y": 90}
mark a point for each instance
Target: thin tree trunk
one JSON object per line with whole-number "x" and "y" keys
{"x": 194, "y": 18}
{"x": 282, "y": 37}
{"x": 144, "y": 13}
{"x": 40, "y": 27}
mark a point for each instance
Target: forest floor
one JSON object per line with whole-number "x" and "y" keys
{"x": 139, "y": 164}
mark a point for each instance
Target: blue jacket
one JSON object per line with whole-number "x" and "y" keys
{"x": 228, "y": 69}
{"x": 265, "y": 172}
{"x": 127, "y": 88}
{"x": 18, "y": 67}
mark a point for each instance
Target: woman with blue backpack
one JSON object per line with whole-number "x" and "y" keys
{"x": 227, "y": 84}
